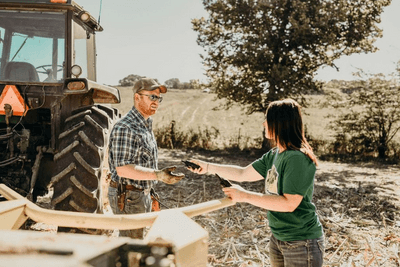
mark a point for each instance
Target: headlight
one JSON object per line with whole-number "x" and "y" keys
{"x": 76, "y": 85}
{"x": 76, "y": 70}
{"x": 84, "y": 16}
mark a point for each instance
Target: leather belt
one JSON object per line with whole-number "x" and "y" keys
{"x": 113, "y": 184}
{"x": 127, "y": 186}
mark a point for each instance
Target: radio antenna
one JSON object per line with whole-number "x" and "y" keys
{"x": 101, "y": 3}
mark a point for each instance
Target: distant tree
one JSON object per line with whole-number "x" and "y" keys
{"x": 173, "y": 83}
{"x": 263, "y": 50}
{"x": 371, "y": 115}
{"x": 195, "y": 84}
{"x": 186, "y": 85}
{"x": 130, "y": 80}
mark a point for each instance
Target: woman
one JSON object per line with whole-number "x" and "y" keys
{"x": 288, "y": 170}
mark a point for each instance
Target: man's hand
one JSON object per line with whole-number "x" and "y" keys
{"x": 166, "y": 176}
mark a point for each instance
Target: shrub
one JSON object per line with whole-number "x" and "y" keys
{"x": 208, "y": 138}
{"x": 371, "y": 118}
{"x": 170, "y": 137}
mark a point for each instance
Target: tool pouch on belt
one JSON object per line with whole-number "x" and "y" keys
{"x": 121, "y": 196}
{"x": 155, "y": 201}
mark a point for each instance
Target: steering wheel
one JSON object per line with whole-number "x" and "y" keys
{"x": 48, "y": 68}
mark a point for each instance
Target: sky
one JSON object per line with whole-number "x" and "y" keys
{"x": 154, "y": 38}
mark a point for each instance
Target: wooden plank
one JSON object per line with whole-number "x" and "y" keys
{"x": 8, "y": 193}
{"x": 101, "y": 221}
{"x": 12, "y": 214}
{"x": 189, "y": 239}
{"x": 30, "y": 248}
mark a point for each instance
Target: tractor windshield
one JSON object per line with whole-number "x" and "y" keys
{"x": 32, "y": 46}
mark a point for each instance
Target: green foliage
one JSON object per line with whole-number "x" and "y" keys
{"x": 176, "y": 84}
{"x": 170, "y": 137}
{"x": 206, "y": 138}
{"x": 130, "y": 80}
{"x": 260, "y": 51}
{"x": 173, "y": 83}
{"x": 194, "y": 112}
{"x": 371, "y": 118}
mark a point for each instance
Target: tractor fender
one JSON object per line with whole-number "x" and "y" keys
{"x": 100, "y": 93}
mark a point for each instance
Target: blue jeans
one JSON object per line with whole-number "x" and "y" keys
{"x": 301, "y": 253}
{"x": 135, "y": 202}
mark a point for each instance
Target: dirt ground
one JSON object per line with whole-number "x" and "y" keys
{"x": 358, "y": 205}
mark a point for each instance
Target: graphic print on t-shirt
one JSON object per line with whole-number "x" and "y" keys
{"x": 271, "y": 182}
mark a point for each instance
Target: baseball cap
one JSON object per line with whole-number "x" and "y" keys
{"x": 148, "y": 84}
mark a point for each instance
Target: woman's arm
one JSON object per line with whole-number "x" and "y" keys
{"x": 285, "y": 203}
{"x": 230, "y": 172}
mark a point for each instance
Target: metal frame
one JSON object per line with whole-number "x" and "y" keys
{"x": 170, "y": 228}
{"x": 15, "y": 211}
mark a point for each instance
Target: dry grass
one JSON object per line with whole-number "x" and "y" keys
{"x": 192, "y": 109}
{"x": 358, "y": 205}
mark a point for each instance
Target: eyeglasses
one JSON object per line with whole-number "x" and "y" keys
{"x": 154, "y": 97}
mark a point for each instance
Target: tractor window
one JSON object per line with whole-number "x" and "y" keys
{"x": 32, "y": 46}
{"x": 84, "y": 51}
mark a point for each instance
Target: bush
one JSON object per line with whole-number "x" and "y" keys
{"x": 371, "y": 119}
{"x": 170, "y": 137}
{"x": 207, "y": 139}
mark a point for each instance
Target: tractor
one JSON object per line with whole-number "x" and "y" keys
{"x": 54, "y": 117}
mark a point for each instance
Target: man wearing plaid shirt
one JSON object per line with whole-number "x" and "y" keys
{"x": 133, "y": 156}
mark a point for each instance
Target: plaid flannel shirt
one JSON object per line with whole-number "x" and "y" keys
{"x": 132, "y": 141}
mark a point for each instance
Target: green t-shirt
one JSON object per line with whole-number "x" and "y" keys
{"x": 290, "y": 172}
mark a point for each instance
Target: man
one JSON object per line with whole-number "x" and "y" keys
{"x": 133, "y": 156}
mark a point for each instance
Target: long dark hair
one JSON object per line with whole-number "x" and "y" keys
{"x": 285, "y": 126}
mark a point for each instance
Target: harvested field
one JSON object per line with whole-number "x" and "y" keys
{"x": 358, "y": 205}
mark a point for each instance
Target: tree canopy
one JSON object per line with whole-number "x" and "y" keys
{"x": 260, "y": 51}
{"x": 173, "y": 83}
{"x": 130, "y": 80}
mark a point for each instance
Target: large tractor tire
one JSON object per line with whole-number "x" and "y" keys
{"x": 81, "y": 161}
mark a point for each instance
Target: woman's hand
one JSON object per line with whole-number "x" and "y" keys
{"x": 236, "y": 193}
{"x": 203, "y": 167}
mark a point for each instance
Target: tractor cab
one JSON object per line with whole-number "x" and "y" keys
{"x": 46, "y": 45}
{"x": 50, "y": 99}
